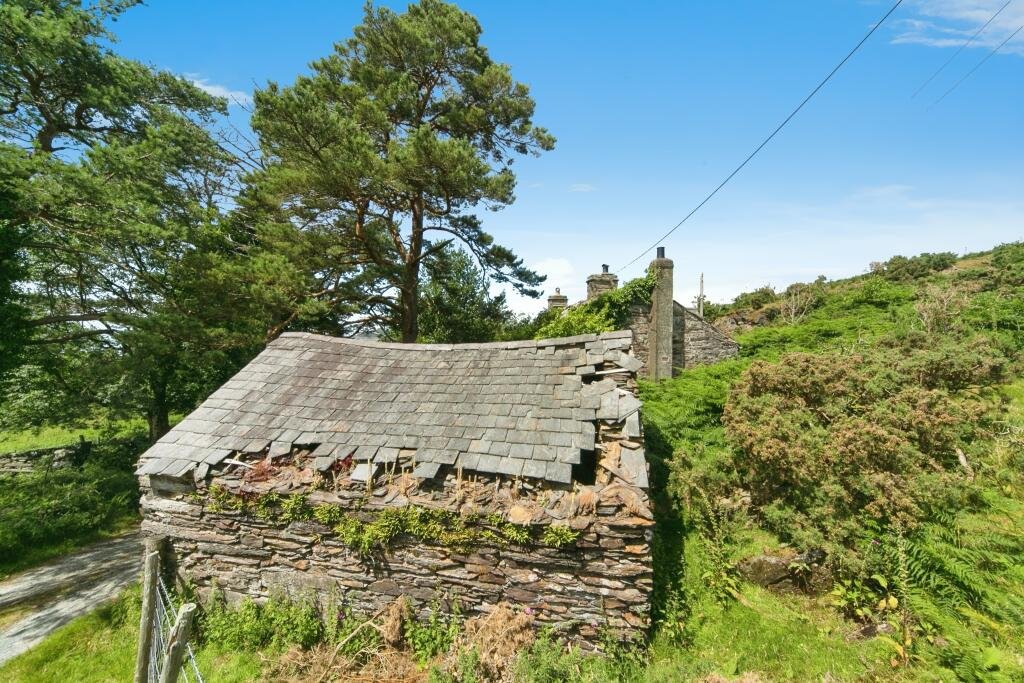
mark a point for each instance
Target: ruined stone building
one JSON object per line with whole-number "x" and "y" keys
{"x": 667, "y": 336}
{"x": 510, "y": 472}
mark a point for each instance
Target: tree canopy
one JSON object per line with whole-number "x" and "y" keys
{"x": 115, "y": 186}
{"x": 140, "y": 265}
{"x": 391, "y": 145}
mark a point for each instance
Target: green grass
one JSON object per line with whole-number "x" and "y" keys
{"x": 45, "y": 514}
{"x": 47, "y": 437}
{"x": 100, "y": 648}
{"x": 51, "y": 436}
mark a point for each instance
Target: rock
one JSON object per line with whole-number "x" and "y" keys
{"x": 788, "y": 572}
{"x": 518, "y": 514}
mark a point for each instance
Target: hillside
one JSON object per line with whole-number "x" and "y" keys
{"x": 877, "y": 418}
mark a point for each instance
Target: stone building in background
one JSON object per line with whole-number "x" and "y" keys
{"x": 667, "y": 336}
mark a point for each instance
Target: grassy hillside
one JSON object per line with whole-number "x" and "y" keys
{"x": 842, "y": 426}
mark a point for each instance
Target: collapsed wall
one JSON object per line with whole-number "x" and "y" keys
{"x": 43, "y": 458}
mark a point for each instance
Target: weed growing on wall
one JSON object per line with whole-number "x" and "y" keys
{"x": 371, "y": 534}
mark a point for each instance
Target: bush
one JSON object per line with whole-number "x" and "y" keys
{"x": 833, "y": 446}
{"x": 45, "y": 512}
{"x": 903, "y": 269}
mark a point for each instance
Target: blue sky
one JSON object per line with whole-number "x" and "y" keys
{"x": 654, "y": 103}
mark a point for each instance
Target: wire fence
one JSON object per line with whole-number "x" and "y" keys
{"x": 163, "y": 625}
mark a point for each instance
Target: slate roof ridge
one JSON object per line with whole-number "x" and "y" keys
{"x": 518, "y": 344}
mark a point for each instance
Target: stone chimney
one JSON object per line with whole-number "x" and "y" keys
{"x": 557, "y": 301}
{"x": 602, "y": 282}
{"x": 659, "y": 361}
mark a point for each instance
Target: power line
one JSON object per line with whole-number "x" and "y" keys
{"x": 767, "y": 139}
{"x": 961, "y": 49}
{"x": 977, "y": 66}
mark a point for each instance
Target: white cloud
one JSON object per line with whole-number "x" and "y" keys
{"x": 581, "y": 187}
{"x": 233, "y": 96}
{"x": 951, "y": 23}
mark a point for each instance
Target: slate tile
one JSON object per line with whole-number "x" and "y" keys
{"x": 558, "y": 472}
{"x": 634, "y": 464}
{"x": 520, "y": 450}
{"x": 510, "y": 466}
{"x": 468, "y": 461}
{"x": 488, "y": 463}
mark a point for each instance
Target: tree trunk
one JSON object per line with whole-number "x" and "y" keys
{"x": 410, "y": 289}
{"x": 410, "y": 311}
{"x": 158, "y": 414}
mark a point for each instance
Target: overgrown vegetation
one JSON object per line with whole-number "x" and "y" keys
{"x": 605, "y": 313}
{"x": 883, "y": 426}
{"x": 48, "y": 512}
{"x": 371, "y": 534}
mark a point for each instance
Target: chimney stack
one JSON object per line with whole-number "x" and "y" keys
{"x": 557, "y": 301}
{"x": 659, "y": 361}
{"x": 602, "y": 282}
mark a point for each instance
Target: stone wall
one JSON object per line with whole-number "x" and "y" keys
{"x": 700, "y": 343}
{"x": 694, "y": 340}
{"x": 40, "y": 458}
{"x": 604, "y": 579}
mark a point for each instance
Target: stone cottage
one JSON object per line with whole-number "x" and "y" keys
{"x": 667, "y": 336}
{"x": 476, "y": 473}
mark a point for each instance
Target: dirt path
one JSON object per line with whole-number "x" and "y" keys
{"x": 64, "y": 589}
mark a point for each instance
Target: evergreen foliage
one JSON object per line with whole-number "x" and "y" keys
{"x": 608, "y": 312}
{"x": 390, "y": 145}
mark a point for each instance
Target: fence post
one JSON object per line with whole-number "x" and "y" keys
{"x": 150, "y": 576}
{"x": 176, "y": 646}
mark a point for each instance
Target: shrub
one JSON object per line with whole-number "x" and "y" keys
{"x": 833, "y": 445}
{"x": 608, "y": 312}
{"x": 903, "y": 269}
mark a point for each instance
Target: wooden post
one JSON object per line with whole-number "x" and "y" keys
{"x": 150, "y": 576}
{"x": 176, "y": 646}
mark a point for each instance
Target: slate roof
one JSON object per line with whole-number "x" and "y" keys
{"x": 524, "y": 408}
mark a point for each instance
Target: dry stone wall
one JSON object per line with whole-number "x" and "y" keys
{"x": 41, "y": 458}
{"x": 602, "y": 580}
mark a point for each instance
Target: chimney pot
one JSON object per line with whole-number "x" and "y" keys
{"x": 661, "y": 252}
{"x": 558, "y": 301}
{"x": 604, "y": 267}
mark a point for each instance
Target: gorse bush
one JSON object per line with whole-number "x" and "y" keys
{"x": 833, "y": 444}
{"x": 904, "y": 269}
